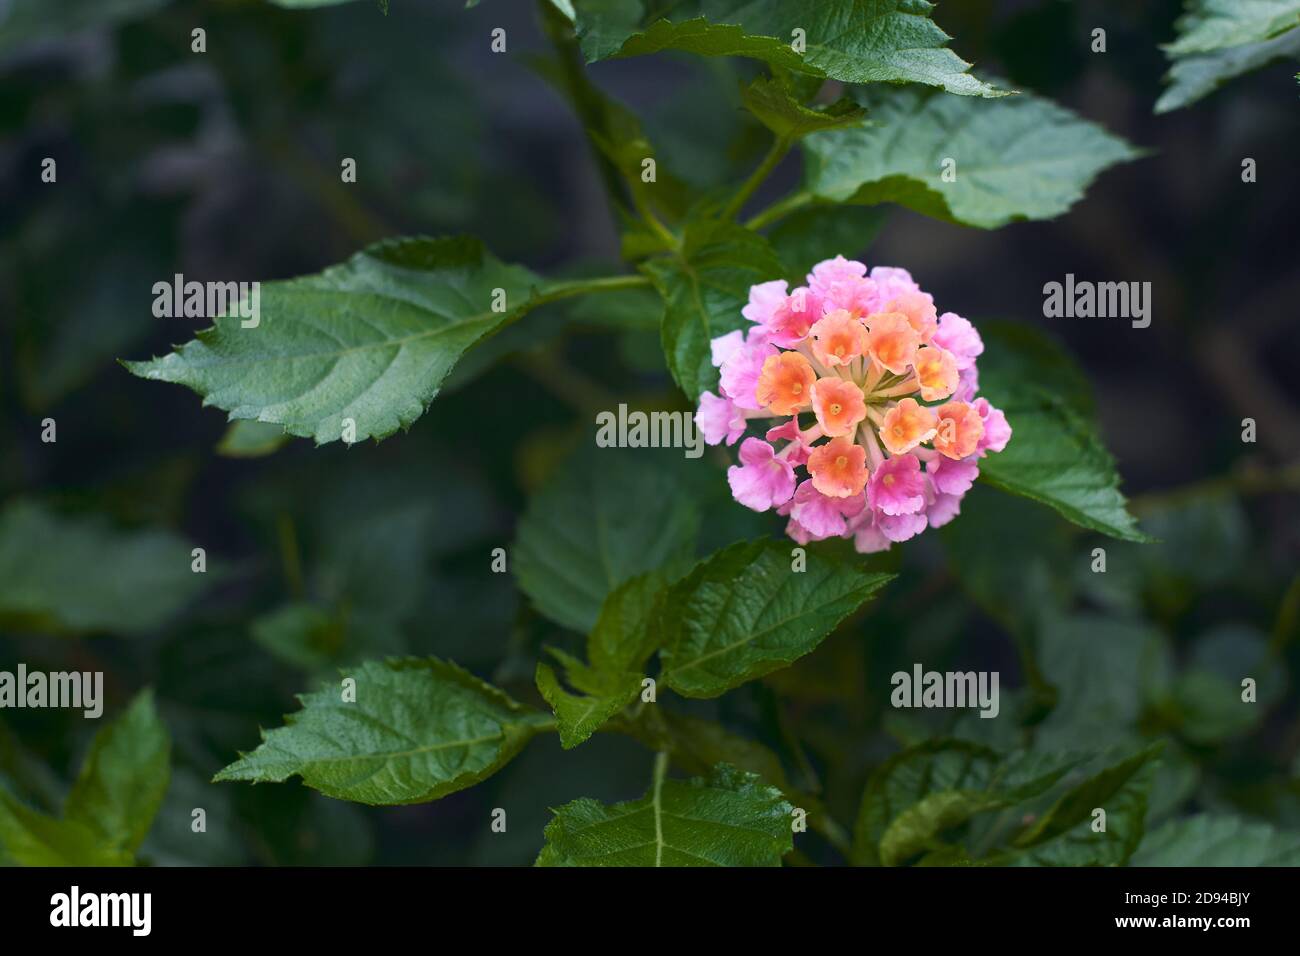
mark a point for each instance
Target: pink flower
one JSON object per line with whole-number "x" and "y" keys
{"x": 892, "y": 341}
{"x": 820, "y": 515}
{"x": 897, "y": 487}
{"x": 719, "y": 419}
{"x": 790, "y": 432}
{"x": 900, "y": 528}
{"x": 764, "y": 299}
{"x": 762, "y": 480}
{"x": 838, "y": 405}
{"x": 798, "y": 533}
{"x": 936, "y": 371}
{"x": 725, "y": 346}
{"x": 892, "y": 283}
{"x": 839, "y": 468}
{"x": 838, "y": 338}
{"x": 868, "y": 356}
{"x": 868, "y": 539}
{"x": 793, "y": 317}
{"x": 842, "y": 284}
{"x": 959, "y": 429}
{"x": 828, "y": 272}
{"x": 968, "y": 383}
{"x": 952, "y": 476}
{"x": 996, "y": 430}
{"x": 942, "y": 509}
{"x": 785, "y": 383}
{"x": 919, "y": 309}
{"x": 906, "y": 425}
{"x": 739, "y": 378}
{"x": 959, "y": 337}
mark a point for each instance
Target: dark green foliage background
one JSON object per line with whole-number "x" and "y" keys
{"x": 225, "y": 165}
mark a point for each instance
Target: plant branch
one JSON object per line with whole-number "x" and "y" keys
{"x": 595, "y": 113}
{"x": 566, "y": 290}
{"x": 774, "y": 155}
{"x": 780, "y": 209}
{"x": 584, "y": 97}
{"x": 647, "y": 215}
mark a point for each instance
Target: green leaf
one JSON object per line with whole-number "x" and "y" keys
{"x": 824, "y": 231}
{"x": 605, "y": 516}
{"x": 1064, "y": 835}
{"x": 303, "y": 635}
{"x": 704, "y": 286}
{"x": 730, "y": 818}
{"x": 1022, "y": 157}
{"x": 771, "y": 101}
{"x": 1218, "y": 840}
{"x": 76, "y": 575}
{"x": 418, "y": 730}
{"x": 1195, "y": 76}
{"x": 606, "y": 37}
{"x": 1106, "y": 671}
{"x": 580, "y": 716}
{"x": 1055, "y": 456}
{"x": 937, "y": 785}
{"x": 251, "y": 439}
{"x": 617, "y": 648}
{"x": 1205, "y": 704}
{"x": 29, "y": 838}
{"x": 622, "y": 638}
{"x": 1017, "y": 351}
{"x": 368, "y": 341}
{"x": 1215, "y": 24}
{"x": 112, "y": 804}
{"x": 858, "y": 41}
{"x": 744, "y": 612}
{"x": 124, "y": 778}
{"x": 1011, "y": 557}
{"x": 1222, "y": 39}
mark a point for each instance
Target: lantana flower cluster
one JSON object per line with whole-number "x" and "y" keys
{"x": 877, "y": 432}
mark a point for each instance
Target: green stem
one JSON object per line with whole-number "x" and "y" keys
{"x": 661, "y": 768}
{"x": 585, "y": 98}
{"x": 780, "y": 209}
{"x": 647, "y": 215}
{"x": 774, "y": 156}
{"x": 661, "y": 771}
{"x": 566, "y": 290}
{"x": 589, "y": 105}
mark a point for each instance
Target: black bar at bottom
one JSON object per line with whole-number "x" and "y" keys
{"x": 298, "y": 906}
